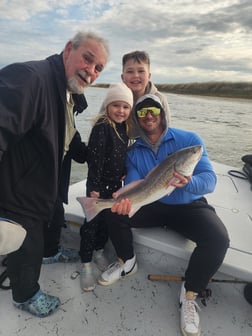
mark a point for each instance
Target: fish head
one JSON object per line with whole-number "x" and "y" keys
{"x": 187, "y": 158}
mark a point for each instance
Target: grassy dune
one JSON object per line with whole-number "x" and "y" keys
{"x": 217, "y": 89}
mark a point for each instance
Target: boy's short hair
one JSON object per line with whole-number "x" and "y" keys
{"x": 138, "y": 56}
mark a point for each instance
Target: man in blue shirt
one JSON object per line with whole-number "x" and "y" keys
{"x": 186, "y": 210}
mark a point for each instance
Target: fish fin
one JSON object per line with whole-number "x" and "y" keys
{"x": 169, "y": 185}
{"x": 133, "y": 211}
{"x": 127, "y": 187}
{"x": 157, "y": 167}
{"x": 170, "y": 190}
{"x": 151, "y": 171}
{"x": 89, "y": 208}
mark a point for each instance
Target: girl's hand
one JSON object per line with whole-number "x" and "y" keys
{"x": 95, "y": 194}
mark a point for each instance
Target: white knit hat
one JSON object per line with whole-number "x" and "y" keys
{"x": 12, "y": 236}
{"x": 117, "y": 92}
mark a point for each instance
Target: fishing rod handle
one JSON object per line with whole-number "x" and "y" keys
{"x": 159, "y": 277}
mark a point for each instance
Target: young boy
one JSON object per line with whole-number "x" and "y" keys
{"x": 136, "y": 75}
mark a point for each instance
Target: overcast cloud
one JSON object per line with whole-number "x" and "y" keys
{"x": 188, "y": 41}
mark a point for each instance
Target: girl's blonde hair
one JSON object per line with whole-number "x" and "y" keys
{"x": 104, "y": 118}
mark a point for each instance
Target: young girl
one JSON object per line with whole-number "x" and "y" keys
{"x": 107, "y": 148}
{"x": 136, "y": 75}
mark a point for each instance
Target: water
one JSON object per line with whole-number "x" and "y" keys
{"x": 225, "y": 124}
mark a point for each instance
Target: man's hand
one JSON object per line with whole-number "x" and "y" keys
{"x": 181, "y": 180}
{"x": 122, "y": 208}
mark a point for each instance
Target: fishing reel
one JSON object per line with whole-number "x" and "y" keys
{"x": 248, "y": 293}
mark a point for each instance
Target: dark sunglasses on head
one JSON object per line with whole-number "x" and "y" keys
{"x": 142, "y": 113}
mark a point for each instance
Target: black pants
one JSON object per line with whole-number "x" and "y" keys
{"x": 23, "y": 266}
{"x": 52, "y": 230}
{"x": 196, "y": 221}
{"x": 94, "y": 235}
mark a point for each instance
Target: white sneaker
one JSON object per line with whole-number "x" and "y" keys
{"x": 189, "y": 317}
{"x": 87, "y": 278}
{"x": 118, "y": 270}
{"x": 100, "y": 260}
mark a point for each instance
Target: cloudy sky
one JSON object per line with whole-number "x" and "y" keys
{"x": 187, "y": 40}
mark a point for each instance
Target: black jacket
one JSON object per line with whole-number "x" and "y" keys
{"x": 32, "y": 131}
{"x": 106, "y": 158}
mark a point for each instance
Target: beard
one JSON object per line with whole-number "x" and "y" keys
{"x": 73, "y": 86}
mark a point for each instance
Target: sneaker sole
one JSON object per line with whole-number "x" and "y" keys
{"x": 103, "y": 282}
{"x": 88, "y": 289}
{"x": 184, "y": 333}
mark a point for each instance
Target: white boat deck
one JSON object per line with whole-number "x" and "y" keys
{"x": 137, "y": 306}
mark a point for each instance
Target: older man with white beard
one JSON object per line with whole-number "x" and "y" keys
{"x": 35, "y": 133}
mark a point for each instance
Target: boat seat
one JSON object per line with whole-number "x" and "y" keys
{"x": 171, "y": 243}
{"x": 238, "y": 260}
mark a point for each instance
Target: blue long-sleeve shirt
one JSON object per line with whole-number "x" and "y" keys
{"x": 141, "y": 159}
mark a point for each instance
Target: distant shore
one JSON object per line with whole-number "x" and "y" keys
{"x": 241, "y": 90}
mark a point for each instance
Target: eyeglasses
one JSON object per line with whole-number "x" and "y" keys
{"x": 155, "y": 111}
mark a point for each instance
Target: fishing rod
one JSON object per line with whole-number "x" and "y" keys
{"x": 159, "y": 277}
{"x": 204, "y": 294}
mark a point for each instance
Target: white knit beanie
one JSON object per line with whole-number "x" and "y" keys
{"x": 12, "y": 236}
{"x": 117, "y": 92}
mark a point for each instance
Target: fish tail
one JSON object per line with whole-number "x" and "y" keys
{"x": 89, "y": 207}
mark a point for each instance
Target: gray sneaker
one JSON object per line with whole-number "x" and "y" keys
{"x": 87, "y": 278}
{"x": 100, "y": 260}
